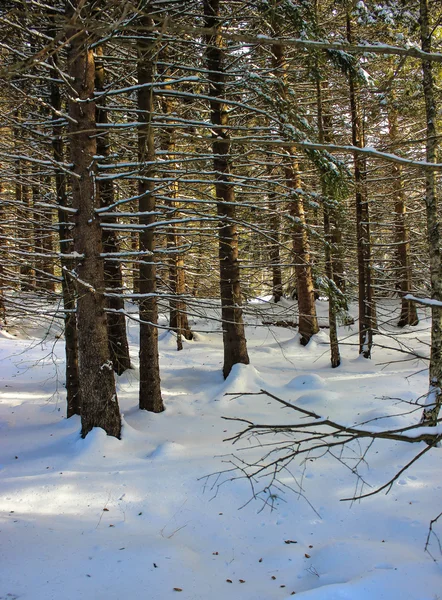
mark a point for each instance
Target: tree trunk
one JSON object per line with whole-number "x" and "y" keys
{"x": 150, "y": 383}
{"x": 97, "y": 385}
{"x": 234, "y": 339}
{"x": 434, "y": 398}
{"x": 366, "y": 306}
{"x": 22, "y": 202}
{"x": 178, "y": 320}
{"x": 2, "y": 261}
{"x": 113, "y": 279}
{"x": 327, "y": 194}
{"x": 308, "y": 322}
{"x": 408, "y": 314}
{"x": 274, "y": 254}
{"x": 73, "y": 399}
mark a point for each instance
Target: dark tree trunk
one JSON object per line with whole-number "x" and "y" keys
{"x": 66, "y": 247}
{"x": 434, "y": 400}
{"x": 408, "y": 314}
{"x": 23, "y": 205}
{"x": 328, "y": 246}
{"x": 366, "y": 304}
{"x": 97, "y": 385}
{"x": 274, "y": 254}
{"x": 113, "y": 279}
{"x": 235, "y": 345}
{"x": 150, "y": 383}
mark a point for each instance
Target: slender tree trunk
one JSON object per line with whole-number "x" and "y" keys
{"x": 434, "y": 399}
{"x": 113, "y": 279}
{"x": 23, "y": 207}
{"x": 308, "y": 322}
{"x": 97, "y": 385}
{"x": 328, "y": 246}
{"x": 2, "y": 260}
{"x": 408, "y": 314}
{"x": 66, "y": 247}
{"x": 274, "y": 254}
{"x": 235, "y": 345}
{"x": 150, "y": 383}
{"x": 178, "y": 320}
{"x": 366, "y": 306}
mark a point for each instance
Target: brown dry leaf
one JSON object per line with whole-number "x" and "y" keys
{"x": 242, "y": 581}
{"x": 307, "y": 555}
{"x": 229, "y": 581}
{"x": 273, "y": 577}
{"x": 105, "y": 510}
{"x": 177, "y": 589}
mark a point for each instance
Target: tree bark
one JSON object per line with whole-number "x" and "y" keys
{"x": 308, "y": 322}
{"x": 328, "y": 241}
{"x": 150, "y": 384}
{"x": 408, "y": 314}
{"x": 73, "y": 399}
{"x": 234, "y": 339}
{"x": 434, "y": 398}
{"x": 366, "y": 305}
{"x": 178, "y": 319}
{"x": 274, "y": 253}
{"x": 97, "y": 384}
{"x": 113, "y": 279}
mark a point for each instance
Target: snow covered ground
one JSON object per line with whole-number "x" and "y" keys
{"x": 103, "y": 519}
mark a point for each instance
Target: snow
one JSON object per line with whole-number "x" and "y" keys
{"x": 108, "y": 519}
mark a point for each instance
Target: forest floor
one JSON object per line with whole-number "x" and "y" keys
{"x": 104, "y": 519}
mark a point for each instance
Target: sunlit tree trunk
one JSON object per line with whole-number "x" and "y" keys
{"x": 234, "y": 339}
{"x": 434, "y": 399}
{"x": 178, "y": 320}
{"x": 308, "y": 322}
{"x": 97, "y": 385}
{"x": 116, "y": 320}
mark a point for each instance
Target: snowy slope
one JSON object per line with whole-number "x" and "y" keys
{"x": 103, "y": 519}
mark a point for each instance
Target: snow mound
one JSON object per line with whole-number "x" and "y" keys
{"x": 167, "y": 450}
{"x": 243, "y": 378}
{"x": 316, "y": 400}
{"x": 306, "y": 381}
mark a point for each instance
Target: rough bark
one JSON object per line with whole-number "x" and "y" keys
{"x": 97, "y": 385}
{"x": 366, "y": 303}
{"x": 73, "y": 399}
{"x": 150, "y": 384}
{"x": 274, "y": 254}
{"x": 434, "y": 399}
{"x": 234, "y": 340}
{"x": 308, "y": 322}
{"x": 113, "y": 279}
{"x": 324, "y": 136}
{"x": 2, "y": 261}
{"x": 23, "y": 205}
{"x": 408, "y": 314}
{"x": 178, "y": 319}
